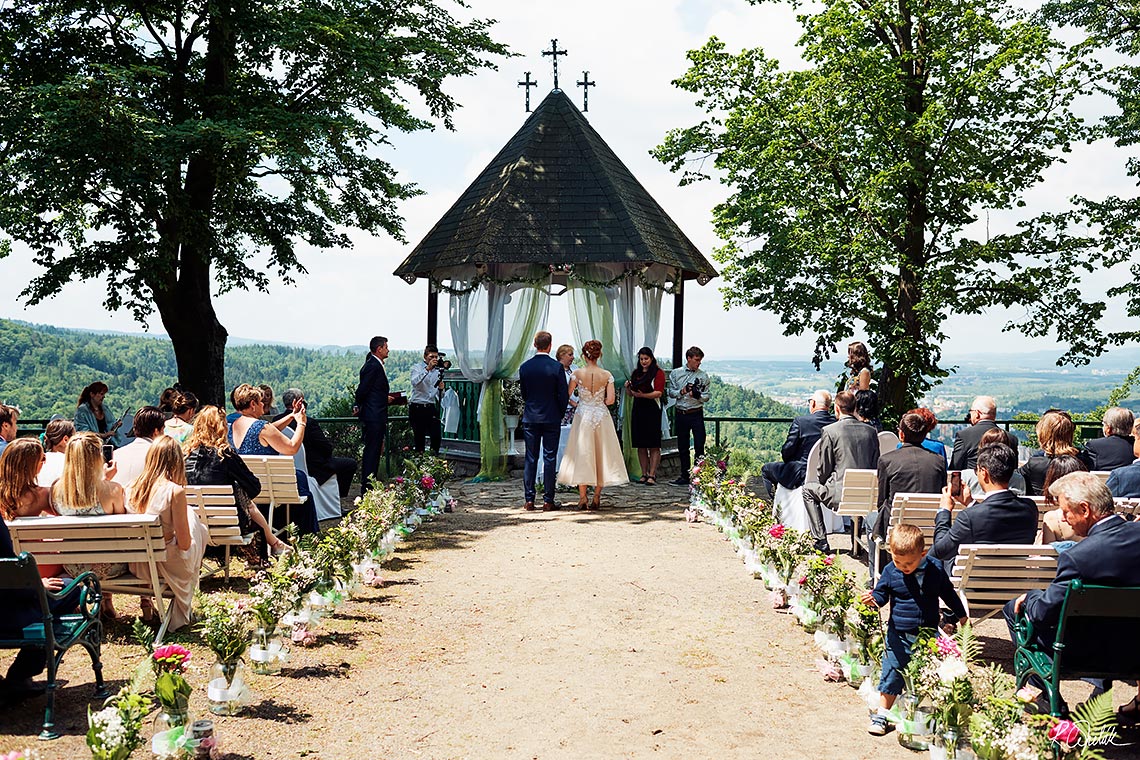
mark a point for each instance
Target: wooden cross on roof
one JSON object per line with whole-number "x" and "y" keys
{"x": 586, "y": 84}
{"x": 528, "y": 83}
{"x": 554, "y": 52}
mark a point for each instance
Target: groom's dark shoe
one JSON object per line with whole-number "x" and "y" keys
{"x": 550, "y": 506}
{"x": 529, "y": 506}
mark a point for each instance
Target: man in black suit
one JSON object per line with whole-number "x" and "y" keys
{"x": 542, "y": 381}
{"x": 372, "y": 400}
{"x": 1002, "y": 518}
{"x": 802, "y": 435}
{"x": 1106, "y": 557}
{"x": 319, "y": 449}
{"x": 983, "y": 412}
{"x": 846, "y": 444}
{"x": 908, "y": 469}
{"x": 1115, "y": 449}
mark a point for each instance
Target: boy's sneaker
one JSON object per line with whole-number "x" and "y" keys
{"x": 879, "y": 725}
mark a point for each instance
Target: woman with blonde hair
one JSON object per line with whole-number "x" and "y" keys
{"x": 1055, "y": 432}
{"x": 161, "y": 490}
{"x": 210, "y": 461}
{"x": 593, "y": 452}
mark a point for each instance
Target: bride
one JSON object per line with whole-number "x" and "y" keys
{"x": 593, "y": 453}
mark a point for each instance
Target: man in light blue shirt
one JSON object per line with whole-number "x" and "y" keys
{"x": 423, "y": 412}
{"x": 689, "y": 385}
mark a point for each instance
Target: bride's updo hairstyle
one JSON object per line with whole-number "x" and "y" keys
{"x": 592, "y": 350}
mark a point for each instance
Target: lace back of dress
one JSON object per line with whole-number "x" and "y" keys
{"x": 592, "y": 402}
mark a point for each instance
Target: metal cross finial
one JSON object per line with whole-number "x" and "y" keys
{"x": 554, "y": 52}
{"x": 586, "y": 84}
{"x": 528, "y": 83}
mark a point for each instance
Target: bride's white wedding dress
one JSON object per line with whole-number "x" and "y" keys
{"x": 593, "y": 452}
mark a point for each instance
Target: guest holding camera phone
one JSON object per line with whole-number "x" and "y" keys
{"x": 423, "y": 409}
{"x": 689, "y": 385}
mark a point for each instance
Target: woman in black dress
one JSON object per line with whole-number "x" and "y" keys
{"x": 646, "y": 385}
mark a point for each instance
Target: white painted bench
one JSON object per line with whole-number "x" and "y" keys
{"x": 130, "y": 538}
{"x": 918, "y": 509}
{"x": 859, "y": 497}
{"x": 278, "y": 476}
{"x": 989, "y": 575}
{"x": 218, "y": 511}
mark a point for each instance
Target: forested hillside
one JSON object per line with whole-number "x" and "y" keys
{"x": 43, "y": 369}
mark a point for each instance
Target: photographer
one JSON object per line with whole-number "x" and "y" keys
{"x": 690, "y": 386}
{"x": 427, "y": 385}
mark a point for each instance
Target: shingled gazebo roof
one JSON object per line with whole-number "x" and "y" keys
{"x": 555, "y": 194}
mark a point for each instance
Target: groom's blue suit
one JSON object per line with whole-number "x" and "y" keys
{"x": 542, "y": 381}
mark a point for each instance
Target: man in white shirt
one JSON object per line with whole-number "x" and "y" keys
{"x": 8, "y": 417}
{"x": 423, "y": 412}
{"x": 131, "y": 459}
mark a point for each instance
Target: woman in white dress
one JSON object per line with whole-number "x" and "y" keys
{"x": 593, "y": 452}
{"x": 161, "y": 490}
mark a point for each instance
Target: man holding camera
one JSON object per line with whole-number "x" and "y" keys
{"x": 423, "y": 412}
{"x": 690, "y": 386}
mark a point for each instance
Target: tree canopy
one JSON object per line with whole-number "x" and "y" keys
{"x": 859, "y": 183}
{"x": 167, "y": 146}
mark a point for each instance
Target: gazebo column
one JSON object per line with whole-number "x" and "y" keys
{"x": 432, "y": 315}
{"x": 679, "y": 321}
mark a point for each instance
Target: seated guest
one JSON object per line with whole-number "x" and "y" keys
{"x": 1124, "y": 482}
{"x": 130, "y": 459}
{"x": 211, "y": 462}
{"x": 910, "y": 468}
{"x": 843, "y": 445}
{"x": 1055, "y": 435}
{"x": 970, "y": 477}
{"x": 867, "y": 408}
{"x": 9, "y": 416}
{"x": 21, "y": 608}
{"x": 83, "y": 490}
{"x": 250, "y": 434}
{"x": 1106, "y": 556}
{"x": 318, "y": 448}
{"x": 160, "y": 490}
{"x": 1053, "y": 528}
{"x": 931, "y": 422}
{"x": 1003, "y": 518}
{"x": 1115, "y": 448}
{"x": 183, "y": 407}
{"x": 165, "y": 401}
{"x": 20, "y": 493}
{"x": 267, "y": 394}
{"x": 802, "y": 435}
{"x": 964, "y": 455}
{"x": 56, "y": 435}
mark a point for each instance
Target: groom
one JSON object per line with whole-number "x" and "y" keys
{"x": 542, "y": 381}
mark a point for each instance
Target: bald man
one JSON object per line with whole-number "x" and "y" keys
{"x": 983, "y": 412}
{"x": 802, "y": 435}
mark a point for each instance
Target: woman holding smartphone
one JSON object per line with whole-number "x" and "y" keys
{"x": 93, "y": 417}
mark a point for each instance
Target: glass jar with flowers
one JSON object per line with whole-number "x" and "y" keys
{"x": 114, "y": 732}
{"x": 270, "y": 600}
{"x": 226, "y": 628}
{"x": 171, "y": 689}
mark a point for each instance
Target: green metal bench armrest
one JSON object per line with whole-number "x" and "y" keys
{"x": 90, "y": 595}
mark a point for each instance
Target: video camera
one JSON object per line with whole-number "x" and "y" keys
{"x": 443, "y": 363}
{"x": 697, "y": 388}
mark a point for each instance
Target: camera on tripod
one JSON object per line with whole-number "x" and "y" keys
{"x": 443, "y": 363}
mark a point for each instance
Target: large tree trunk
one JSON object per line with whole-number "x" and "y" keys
{"x": 199, "y": 341}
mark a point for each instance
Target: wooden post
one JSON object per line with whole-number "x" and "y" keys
{"x": 679, "y": 322}
{"x": 432, "y": 316}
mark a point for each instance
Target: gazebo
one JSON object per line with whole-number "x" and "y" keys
{"x": 555, "y": 212}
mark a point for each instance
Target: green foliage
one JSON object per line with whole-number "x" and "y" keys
{"x": 168, "y": 147}
{"x": 856, "y": 181}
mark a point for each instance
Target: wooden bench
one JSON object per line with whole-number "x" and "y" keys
{"x": 859, "y": 497}
{"x": 107, "y": 538}
{"x": 278, "y": 476}
{"x": 1103, "y": 475}
{"x": 218, "y": 511}
{"x": 989, "y": 575}
{"x": 1097, "y": 628}
{"x": 55, "y": 634}
{"x": 918, "y": 509}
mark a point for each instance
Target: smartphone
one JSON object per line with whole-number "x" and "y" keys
{"x": 956, "y": 485}
{"x": 108, "y": 452}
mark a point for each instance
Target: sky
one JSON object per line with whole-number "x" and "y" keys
{"x": 632, "y": 49}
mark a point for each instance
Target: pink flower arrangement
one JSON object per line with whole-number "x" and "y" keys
{"x": 170, "y": 658}
{"x": 802, "y": 580}
{"x": 304, "y": 636}
{"x": 1028, "y": 693}
{"x": 777, "y": 531}
{"x": 1065, "y": 732}
{"x": 723, "y": 465}
{"x": 428, "y": 482}
{"x": 829, "y": 560}
{"x": 948, "y": 647}
{"x": 398, "y": 480}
